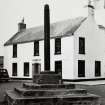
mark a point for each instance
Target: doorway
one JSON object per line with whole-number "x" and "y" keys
{"x": 97, "y": 68}
{"x": 81, "y": 68}
{"x": 36, "y": 68}
{"x": 58, "y": 67}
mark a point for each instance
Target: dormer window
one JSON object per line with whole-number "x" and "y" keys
{"x": 36, "y": 48}
{"x": 14, "y": 50}
{"x": 58, "y": 46}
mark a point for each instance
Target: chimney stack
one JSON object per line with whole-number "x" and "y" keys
{"x": 46, "y": 38}
{"x": 21, "y": 26}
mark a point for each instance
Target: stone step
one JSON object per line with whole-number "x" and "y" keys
{"x": 47, "y": 78}
{"x": 51, "y": 92}
{"x": 48, "y": 86}
{"x": 16, "y": 96}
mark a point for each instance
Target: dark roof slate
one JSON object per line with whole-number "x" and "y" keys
{"x": 58, "y": 29}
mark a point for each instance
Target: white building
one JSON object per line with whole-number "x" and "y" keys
{"x": 77, "y": 49}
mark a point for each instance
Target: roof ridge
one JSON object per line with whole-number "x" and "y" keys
{"x": 58, "y": 22}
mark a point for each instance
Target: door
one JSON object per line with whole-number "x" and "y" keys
{"x": 97, "y": 68}
{"x": 81, "y": 68}
{"x": 36, "y": 68}
{"x": 58, "y": 67}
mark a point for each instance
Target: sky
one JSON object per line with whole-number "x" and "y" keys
{"x": 12, "y": 12}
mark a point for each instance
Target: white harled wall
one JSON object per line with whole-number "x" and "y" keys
{"x": 68, "y": 56}
{"x": 25, "y": 53}
{"x": 94, "y": 48}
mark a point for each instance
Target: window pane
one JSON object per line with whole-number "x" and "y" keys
{"x": 14, "y": 50}
{"x": 81, "y": 45}
{"x": 14, "y": 69}
{"x": 36, "y": 48}
{"x": 58, "y": 46}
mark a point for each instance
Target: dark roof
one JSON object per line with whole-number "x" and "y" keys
{"x": 59, "y": 29}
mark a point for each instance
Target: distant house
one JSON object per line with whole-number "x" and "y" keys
{"x": 1, "y": 61}
{"x": 77, "y": 49}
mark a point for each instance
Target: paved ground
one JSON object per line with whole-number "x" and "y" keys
{"x": 96, "y": 82}
{"x": 94, "y": 87}
{"x": 4, "y": 86}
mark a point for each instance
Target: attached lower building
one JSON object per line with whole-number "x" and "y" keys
{"x": 77, "y": 49}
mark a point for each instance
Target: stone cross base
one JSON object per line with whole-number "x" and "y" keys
{"x": 47, "y": 78}
{"x": 50, "y": 94}
{"x": 47, "y": 89}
